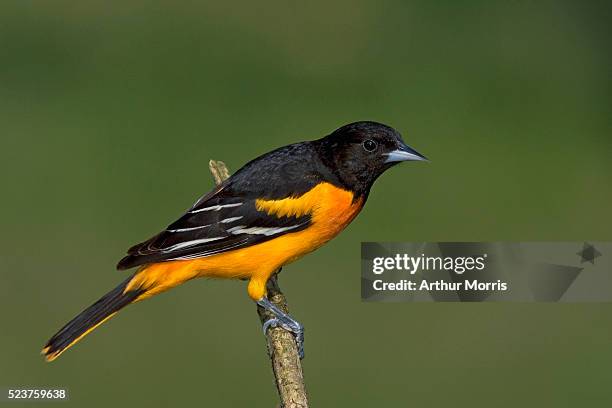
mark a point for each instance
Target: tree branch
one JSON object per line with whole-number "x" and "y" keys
{"x": 282, "y": 349}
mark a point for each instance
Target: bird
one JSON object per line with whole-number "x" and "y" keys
{"x": 277, "y": 208}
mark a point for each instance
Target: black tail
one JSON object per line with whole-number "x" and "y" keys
{"x": 89, "y": 319}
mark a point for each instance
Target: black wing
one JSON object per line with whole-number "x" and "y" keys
{"x": 227, "y": 218}
{"x": 217, "y": 223}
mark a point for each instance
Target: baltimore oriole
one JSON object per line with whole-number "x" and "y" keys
{"x": 272, "y": 211}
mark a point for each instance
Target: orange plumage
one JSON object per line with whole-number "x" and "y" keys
{"x": 331, "y": 209}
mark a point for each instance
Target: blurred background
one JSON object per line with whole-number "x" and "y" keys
{"x": 109, "y": 114}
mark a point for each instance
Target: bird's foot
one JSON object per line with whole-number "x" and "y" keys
{"x": 285, "y": 321}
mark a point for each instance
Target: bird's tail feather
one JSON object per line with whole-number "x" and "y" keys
{"x": 90, "y": 318}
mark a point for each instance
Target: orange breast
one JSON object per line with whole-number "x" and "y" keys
{"x": 331, "y": 209}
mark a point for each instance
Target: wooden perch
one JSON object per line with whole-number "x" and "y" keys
{"x": 282, "y": 349}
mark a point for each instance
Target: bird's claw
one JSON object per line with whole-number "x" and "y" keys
{"x": 273, "y": 322}
{"x": 285, "y": 321}
{"x": 291, "y": 326}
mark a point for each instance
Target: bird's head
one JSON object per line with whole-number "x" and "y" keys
{"x": 362, "y": 151}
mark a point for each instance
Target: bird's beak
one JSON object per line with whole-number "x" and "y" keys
{"x": 404, "y": 153}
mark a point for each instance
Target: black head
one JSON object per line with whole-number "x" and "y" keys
{"x": 360, "y": 152}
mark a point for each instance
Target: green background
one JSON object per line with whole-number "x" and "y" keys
{"x": 109, "y": 114}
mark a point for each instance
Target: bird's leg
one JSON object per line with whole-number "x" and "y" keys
{"x": 282, "y": 319}
{"x": 285, "y": 321}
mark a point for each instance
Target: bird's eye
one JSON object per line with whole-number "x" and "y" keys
{"x": 369, "y": 145}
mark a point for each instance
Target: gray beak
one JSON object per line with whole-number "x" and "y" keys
{"x": 405, "y": 153}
